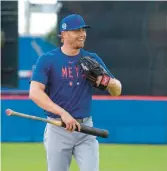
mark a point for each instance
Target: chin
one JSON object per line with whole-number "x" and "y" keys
{"x": 80, "y": 46}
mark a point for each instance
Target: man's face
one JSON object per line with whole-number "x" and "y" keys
{"x": 75, "y": 38}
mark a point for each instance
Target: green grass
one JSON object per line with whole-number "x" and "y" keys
{"x": 31, "y": 157}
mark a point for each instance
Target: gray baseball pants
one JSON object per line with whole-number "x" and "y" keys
{"x": 61, "y": 145}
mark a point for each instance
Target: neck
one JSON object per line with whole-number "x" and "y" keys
{"x": 69, "y": 51}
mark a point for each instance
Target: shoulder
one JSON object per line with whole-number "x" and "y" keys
{"x": 92, "y": 54}
{"x": 88, "y": 53}
{"x": 52, "y": 53}
{"x": 49, "y": 56}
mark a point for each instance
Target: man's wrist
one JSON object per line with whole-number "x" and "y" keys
{"x": 113, "y": 82}
{"x": 62, "y": 112}
{"x": 114, "y": 87}
{"x": 59, "y": 111}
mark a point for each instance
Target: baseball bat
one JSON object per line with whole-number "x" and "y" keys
{"x": 84, "y": 129}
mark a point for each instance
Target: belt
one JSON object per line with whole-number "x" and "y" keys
{"x": 82, "y": 120}
{"x": 78, "y": 120}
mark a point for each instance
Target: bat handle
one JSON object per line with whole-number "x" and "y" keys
{"x": 91, "y": 131}
{"x": 63, "y": 125}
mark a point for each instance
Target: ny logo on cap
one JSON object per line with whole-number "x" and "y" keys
{"x": 64, "y": 26}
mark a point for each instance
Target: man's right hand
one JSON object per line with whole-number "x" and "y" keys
{"x": 70, "y": 122}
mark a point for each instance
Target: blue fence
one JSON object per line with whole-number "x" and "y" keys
{"x": 128, "y": 121}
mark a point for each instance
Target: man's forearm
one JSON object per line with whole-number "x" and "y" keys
{"x": 43, "y": 101}
{"x": 114, "y": 87}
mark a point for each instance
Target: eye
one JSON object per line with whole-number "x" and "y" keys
{"x": 81, "y": 30}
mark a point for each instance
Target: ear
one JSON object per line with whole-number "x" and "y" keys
{"x": 64, "y": 34}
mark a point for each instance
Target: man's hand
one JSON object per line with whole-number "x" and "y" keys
{"x": 70, "y": 122}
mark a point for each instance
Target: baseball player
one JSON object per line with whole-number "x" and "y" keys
{"x": 61, "y": 84}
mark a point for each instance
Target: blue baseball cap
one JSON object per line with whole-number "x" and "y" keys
{"x": 72, "y": 22}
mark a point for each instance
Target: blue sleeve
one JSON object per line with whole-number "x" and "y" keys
{"x": 100, "y": 61}
{"x": 41, "y": 70}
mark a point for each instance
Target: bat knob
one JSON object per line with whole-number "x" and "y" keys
{"x": 8, "y": 112}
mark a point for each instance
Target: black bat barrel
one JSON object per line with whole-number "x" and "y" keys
{"x": 92, "y": 131}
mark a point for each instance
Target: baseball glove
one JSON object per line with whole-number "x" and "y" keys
{"x": 92, "y": 69}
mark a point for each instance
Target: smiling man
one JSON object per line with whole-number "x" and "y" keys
{"x": 60, "y": 88}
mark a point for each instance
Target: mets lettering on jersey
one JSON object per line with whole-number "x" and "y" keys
{"x": 71, "y": 72}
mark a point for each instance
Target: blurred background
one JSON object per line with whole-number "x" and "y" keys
{"x": 131, "y": 38}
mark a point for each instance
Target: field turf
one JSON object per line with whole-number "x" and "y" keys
{"x": 31, "y": 157}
